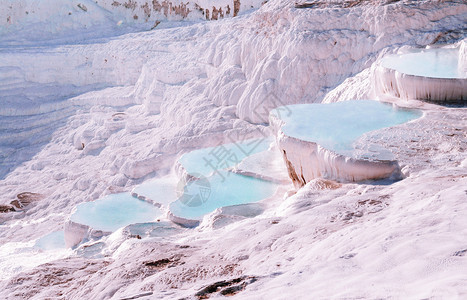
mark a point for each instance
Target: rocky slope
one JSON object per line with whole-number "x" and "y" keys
{"x": 105, "y": 115}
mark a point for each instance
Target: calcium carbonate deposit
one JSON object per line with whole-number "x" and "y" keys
{"x": 138, "y": 159}
{"x": 436, "y": 75}
{"x": 317, "y": 140}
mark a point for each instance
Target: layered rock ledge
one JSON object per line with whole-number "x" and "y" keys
{"x": 306, "y": 159}
{"x": 434, "y": 75}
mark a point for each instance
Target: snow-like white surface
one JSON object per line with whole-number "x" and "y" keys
{"x": 462, "y": 65}
{"x": 152, "y": 229}
{"x": 20, "y": 256}
{"x": 137, "y": 101}
{"x": 55, "y": 21}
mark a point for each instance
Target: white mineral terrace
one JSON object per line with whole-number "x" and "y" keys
{"x": 437, "y": 75}
{"x": 223, "y": 189}
{"x": 316, "y": 140}
{"x": 206, "y": 161}
{"x": 97, "y": 218}
{"x": 204, "y": 185}
{"x": 207, "y": 184}
{"x": 99, "y": 99}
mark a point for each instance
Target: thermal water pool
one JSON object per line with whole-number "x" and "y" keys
{"x": 336, "y": 126}
{"x": 51, "y": 241}
{"x": 159, "y": 191}
{"x": 187, "y": 198}
{"x": 435, "y": 75}
{"x": 436, "y": 63}
{"x": 114, "y": 211}
{"x": 202, "y": 196}
{"x": 316, "y": 140}
{"x": 205, "y": 161}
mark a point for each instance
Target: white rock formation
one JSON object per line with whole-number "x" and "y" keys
{"x": 357, "y": 241}
{"x": 158, "y": 10}
{"x": 306, "y": 161}
{"x": 55, "y": 19}
{"x": 267, "y": 165}
{"x": 388, "y": 78}
{"x": 76, "y": 233}
{"x": 463, "y": 57}
{"x": 405, "y": 86}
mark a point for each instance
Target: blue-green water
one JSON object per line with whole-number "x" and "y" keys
{"x": 114, "y": 211}
{"x": 205, "y": 161}
{"x": 336, "y": 126}
{"x": 160, "y": 190}
{"x": 51, "y": 241}
{"x": 221, "y": 189}
{"x": 215, "y": 188}
{"x": 437, "y": 63}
